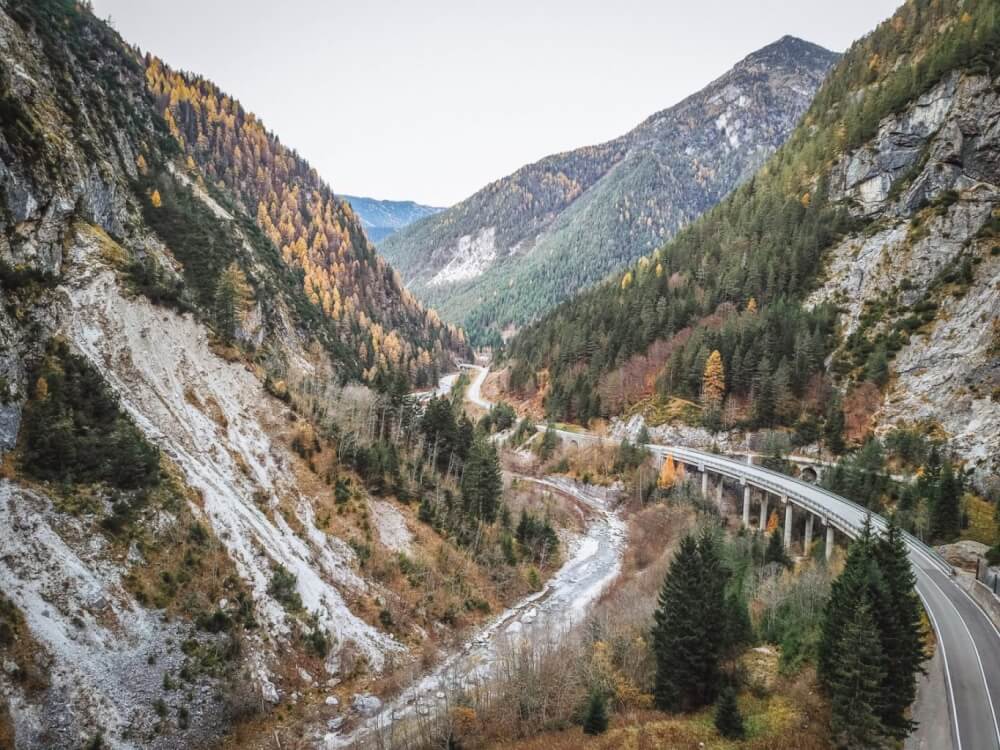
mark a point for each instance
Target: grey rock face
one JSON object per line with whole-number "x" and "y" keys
{"x": 930, "y": 183}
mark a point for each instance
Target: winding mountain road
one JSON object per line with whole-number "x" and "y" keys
{"x": 968, "y": 641}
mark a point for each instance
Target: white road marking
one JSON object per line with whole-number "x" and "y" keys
{"x": 975, "y": 648}
{"x": 947, "y": 672}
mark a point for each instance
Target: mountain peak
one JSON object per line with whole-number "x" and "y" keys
{"x": 567, "y": 220}
{"x": 790, "y": 51}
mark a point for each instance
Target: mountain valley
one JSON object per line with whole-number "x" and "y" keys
{"x": 699, "y": 445}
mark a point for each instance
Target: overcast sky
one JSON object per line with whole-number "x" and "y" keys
{"x": 430, "y": 100}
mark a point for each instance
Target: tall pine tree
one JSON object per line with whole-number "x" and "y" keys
{"x": 860, "y": 582}
{"x": 689, "y": 630}
{"x": 946, "y": 505}
{"x": 679, "y": 642}
{"x": 728, "y": 719}
{"x": 856, "y": 684}
{"x": 902, "y": 631}
{"x": 481, "y": 481}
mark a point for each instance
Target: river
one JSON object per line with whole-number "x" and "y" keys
{"x": 592, "y": 562}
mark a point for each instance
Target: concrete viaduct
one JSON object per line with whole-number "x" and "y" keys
{"x": 967, "y": 640}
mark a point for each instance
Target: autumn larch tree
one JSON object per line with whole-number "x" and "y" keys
{"x": 713, "y": 385}
{"x": 668, "y": 474}
{"x": 232, "y": 294}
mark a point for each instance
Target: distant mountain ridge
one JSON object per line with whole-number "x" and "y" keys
{"x": 380, "y": 218}
{"x": 851, "y": 286}
{"x": 525, "y": 242}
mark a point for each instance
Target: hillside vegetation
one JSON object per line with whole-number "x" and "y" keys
{"x": 523, "y": 243}
{"x": 380, "y": 218}
{"x": 317, "y": 233}
{"x": 738, "y": 281}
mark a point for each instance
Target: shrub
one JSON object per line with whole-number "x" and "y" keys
{"x": 216, "y": 622}
{"x": 728, "y": 719}
{"x": 284, "y": 588}
{"x": 317, "y": 641}
{"x": 596, "y": 720}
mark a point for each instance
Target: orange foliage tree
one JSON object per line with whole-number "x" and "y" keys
{"x": 668, "y": 474}
{"x": 313, "y": 229}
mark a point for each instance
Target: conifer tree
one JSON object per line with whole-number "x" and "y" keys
{"x": 763, "y": 393}
{"x": 713, "y": 385}
{"x": 713, "y": 600}
{"x": 690, "y": 626}
{"x": 679, "y": 634}
{"x": 946, "y": 509}
{"x": 833, "y": 428}
{"x": 549, "y": 442}
{"x": 643, "y": 437}
{"x": 596, "y": 720}
{"x": 668, "y": 474}
{"x": 232, "y": 293}
{"x": 775, "y": 552}
{"x": 482, "y": 482}
{"x": 728, "y": 719}
{"x": 855, "y": 585}
{"x": 855, "y": 683}
{"x": 877, "y": 368}
{"x": 737, "y": 628}
{"x": 902, "y": 630}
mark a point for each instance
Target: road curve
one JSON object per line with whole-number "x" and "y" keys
{"x": 472, "y": 393}
{"x": 968, "y": 640}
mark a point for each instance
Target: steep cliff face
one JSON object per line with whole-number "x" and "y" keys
{"x": 524, "y": 243}
{"x": 925, "y": 275}
{"x": 158, "y": 611}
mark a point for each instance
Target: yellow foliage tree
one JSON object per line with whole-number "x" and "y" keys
{"x": 626, "y": 280}
{"x": 752, "y": 305}
{"x": 713, "y": 384}
{"x": 668, "y": 474}
{"x": 155, "y": 199}
{"x": 313, "y": 229}
{"x": 232, "y": 295}
{"x": 41, "y": 389}
{"x": 772, "y": 522}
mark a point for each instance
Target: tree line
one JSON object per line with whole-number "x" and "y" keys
{"x": 735, "y": 280}
{"x": 869, "y": 650}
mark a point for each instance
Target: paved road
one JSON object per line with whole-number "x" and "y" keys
{"x": 968, "y": 641}
{"x": 472, "y": 394}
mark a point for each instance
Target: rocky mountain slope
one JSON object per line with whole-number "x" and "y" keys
{"x": 361, "y": 297}
{"x": 523, "y": 243}
{"x": 174, "y": 522}
{"x": 861, "y": 263}
{"x": 923, "y": 281}
{"x": 380, "y": 218}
